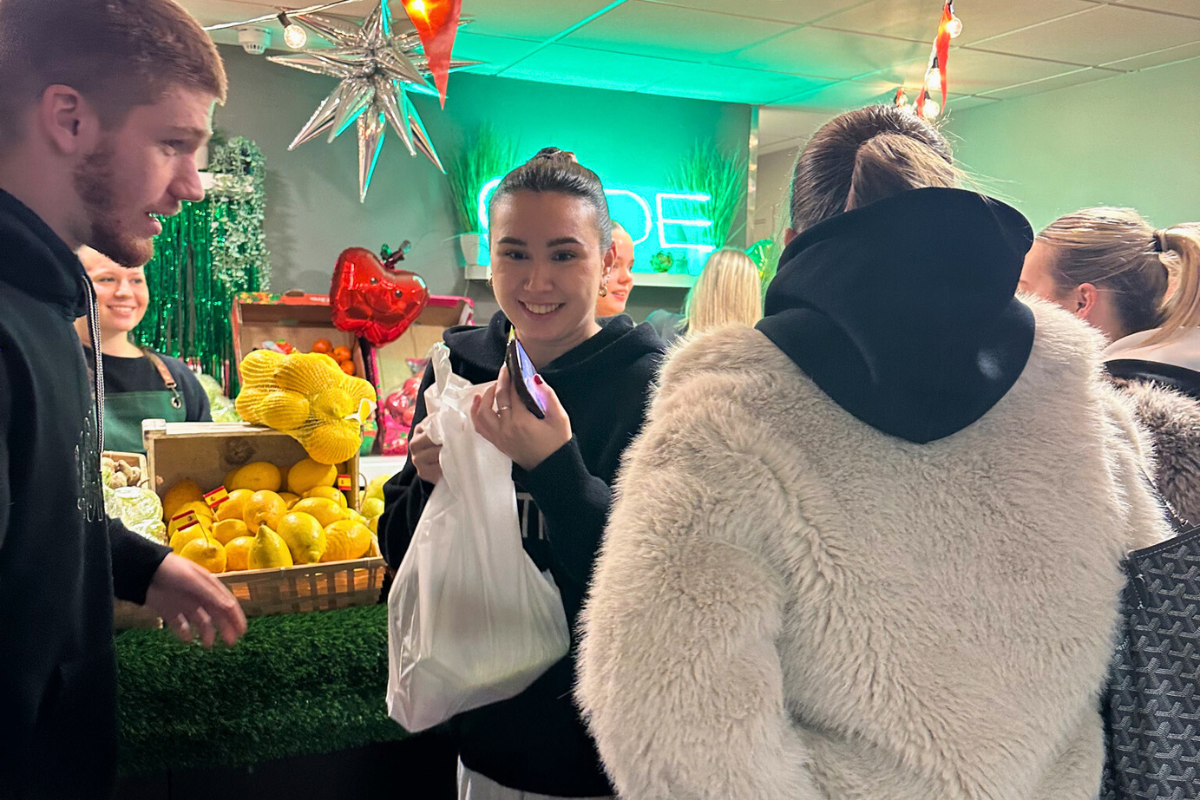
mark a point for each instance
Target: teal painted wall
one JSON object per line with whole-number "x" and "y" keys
{"x": 313, "y": 211}
{"x": 1133, "y": 140}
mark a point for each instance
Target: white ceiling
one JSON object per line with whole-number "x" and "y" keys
{"x": 802, "y": 57}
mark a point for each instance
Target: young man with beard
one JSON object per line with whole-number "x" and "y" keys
{"x": 103, "y": 106}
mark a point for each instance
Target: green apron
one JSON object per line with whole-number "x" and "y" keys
{"x": 123, "y": 413}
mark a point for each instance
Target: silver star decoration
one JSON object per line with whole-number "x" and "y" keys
{"x": 377, "y": 69}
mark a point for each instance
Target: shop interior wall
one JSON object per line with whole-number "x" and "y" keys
{"x": 774, "y": 192}
{"x": 313, "y": 211}
{"x": 1125, "y": 141}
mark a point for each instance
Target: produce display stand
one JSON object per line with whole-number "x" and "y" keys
{"x": 206, "y": 452}
{"x": 296, "y": 709}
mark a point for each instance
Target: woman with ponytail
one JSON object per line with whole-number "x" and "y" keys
{"x": 871, "y": 548}
{"x": 551, "y": 240}
{"x": 1140, "y": 287}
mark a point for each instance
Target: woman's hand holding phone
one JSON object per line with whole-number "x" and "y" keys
{"x": 425, "y": 453}
{"x": 502, "y": 419}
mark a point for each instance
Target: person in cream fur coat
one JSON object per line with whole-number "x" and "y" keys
{"x": 883, "y": 566}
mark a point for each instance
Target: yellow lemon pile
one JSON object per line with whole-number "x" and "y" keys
{"x": 308, "y": 397}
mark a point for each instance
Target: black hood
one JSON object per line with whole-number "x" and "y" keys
{"x": 903, "y": 311}
{"x": 618, "y": 344}
{"x": 36, "y": 261}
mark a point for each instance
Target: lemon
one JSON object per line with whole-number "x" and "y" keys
{"x": 237, "y": 553}
{"x": 304, "y": 536}
{"x": 264, "y": 508}
{"x": 268, "y": 550}
{"x": 308, "y": 474}
{"x": 205, "y": 552}
{"x": 248, "y": 404}
{"x": 333, "y": 442}
{"x": 256, "y": 477}
{"x": 373, "y": 525}
{"x": 329, "y": 493}
{"x": 259, "y": 366}
{"x": 227, "y": 530}
{"x": 354, "y": 516}
{"x": 326, "y": 511}
{"x": 235, "y": 506}
{"x": 186, "y": 491}
{"x": 372, "y": 507}
{"x": 180, "y": 539}
{"x": 289, "y": 498}
{"x": 375, "y": 488}
{"x": 283, "y": 410}
{"x": 346, "y": 540}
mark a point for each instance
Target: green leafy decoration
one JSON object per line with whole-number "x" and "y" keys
{"x": 486, "y": 154}
{"x": 721, "y": 175}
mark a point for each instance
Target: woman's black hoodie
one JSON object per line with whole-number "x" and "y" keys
{"x": 536, "y": 742}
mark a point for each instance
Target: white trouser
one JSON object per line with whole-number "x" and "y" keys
{"x": 473, "y": 786}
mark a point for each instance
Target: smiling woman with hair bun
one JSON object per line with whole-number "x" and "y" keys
{"x": 551, "y": 249}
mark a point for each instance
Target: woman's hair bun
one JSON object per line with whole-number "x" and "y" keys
{"x": 554, "y": 154}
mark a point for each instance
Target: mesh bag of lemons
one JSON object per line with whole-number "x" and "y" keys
{"x": 308, "y": 397}
{"x": 272, "y": 518}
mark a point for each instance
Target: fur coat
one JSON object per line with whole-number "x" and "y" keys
{"x": 1173, "y": 421}
{"x": 791, "y": 605}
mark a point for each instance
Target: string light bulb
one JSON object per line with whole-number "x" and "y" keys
{"x": 293, "y": 35}
{"x": 954, "y": 27}
{"x": 933, "y": 79}
{"x": 930, "y": 109}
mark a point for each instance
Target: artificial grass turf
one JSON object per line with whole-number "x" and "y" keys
{"x": 296, "y": 684}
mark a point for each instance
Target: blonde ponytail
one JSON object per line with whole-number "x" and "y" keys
{"x": 1180, "y": 246}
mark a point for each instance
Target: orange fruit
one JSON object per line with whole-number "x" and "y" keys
{"x": 322, "y": 346}
{"x": 348, "y": 367}
{"x": 341, "y": 353}
{"x": 264, "y": 508}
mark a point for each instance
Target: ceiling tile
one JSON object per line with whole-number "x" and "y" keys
{"x": 779, "y": 10}
{"x": 729, "y": 84}
{"x": 977, "y": 71}
{"x": 1100, "y": 36}
{"x": 496, "y": 52}
{"x": 829, "y": 54}
{"x": 846, "y": 95}
{"x": 1187, "y": 8}
{"x": 918, "y": 19}
{"x": 517, "y": 19}
{"x": 1170, "y": 55}
{"x": 580, "y": 66}
{"x": 964, "y": 101}
{"x": 654, "y": 29}
{"x": 1087, "y": 75}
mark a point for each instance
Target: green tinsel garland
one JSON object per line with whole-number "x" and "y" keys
{"x": 205, "y": 255}
{"x": 296, "y": 684}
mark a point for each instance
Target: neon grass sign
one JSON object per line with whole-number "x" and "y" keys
{"x": 631, "y": 209}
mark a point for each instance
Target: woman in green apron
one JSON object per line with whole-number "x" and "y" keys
{"x": 138, "y": 383}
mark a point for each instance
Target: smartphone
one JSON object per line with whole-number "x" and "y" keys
{"x": 522, "y": 373}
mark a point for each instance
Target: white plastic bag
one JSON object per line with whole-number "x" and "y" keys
{"x": 471, "y": 620}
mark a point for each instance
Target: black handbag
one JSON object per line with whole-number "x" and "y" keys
{"x": 1152, "y": 706}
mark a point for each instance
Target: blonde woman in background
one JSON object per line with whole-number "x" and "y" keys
{"x": 728, "y": 292}
{"x": 1141, "y": 288}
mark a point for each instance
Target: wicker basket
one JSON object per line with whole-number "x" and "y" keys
{"x": 311, "y": 587}
{"x": 288, "y": 590}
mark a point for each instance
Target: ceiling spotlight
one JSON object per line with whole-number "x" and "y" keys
{"x": 954, "y": 27}
{"x": 293, "y": 35}
{"x": 254, "y": 40}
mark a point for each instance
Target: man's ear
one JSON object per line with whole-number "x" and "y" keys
{"x": 67, "y": 120}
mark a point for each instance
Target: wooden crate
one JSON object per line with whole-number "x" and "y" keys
{"x": 134, "y": 460}
{"x": 206, "y": 452}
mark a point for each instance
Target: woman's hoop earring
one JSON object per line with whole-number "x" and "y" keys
{"x": 604, "y": 289}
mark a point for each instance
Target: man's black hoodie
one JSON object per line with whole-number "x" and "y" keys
{"x": 536, "y": 742}
{"x": 60, "y": 559}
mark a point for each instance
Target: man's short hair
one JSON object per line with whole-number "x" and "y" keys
{"x": 116, "y": 53}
